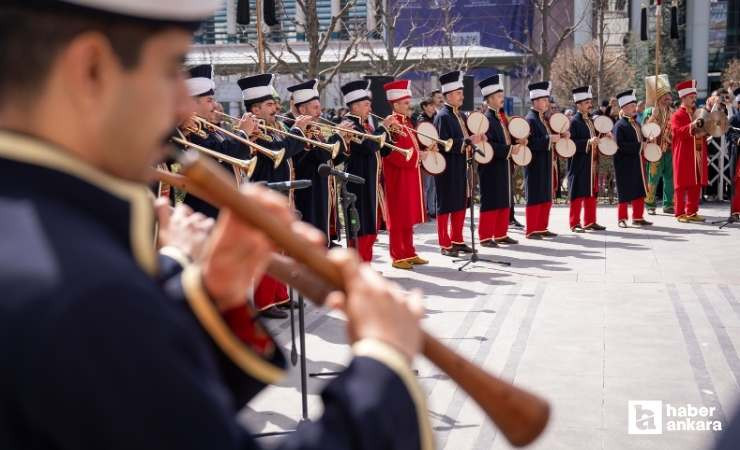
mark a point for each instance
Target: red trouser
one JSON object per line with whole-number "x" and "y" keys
{"x": 269, "y": 292}
{"x": 735, "y": 205}
{"x": 494, "y": 224}
{"x": 453, "y": 234}
{"x": 687, "y": 200}
{"x": 401, "y": 243}
{"x": 638, "y": 209}
{"x": 538, "y": 217}
{"x": 588, "y": 204}
{"x": 365, "y": 246}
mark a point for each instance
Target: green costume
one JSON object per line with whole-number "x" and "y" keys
{"x": 662, "y": 169}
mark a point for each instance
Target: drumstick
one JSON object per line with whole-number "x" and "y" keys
{"x": 520, "y": 415}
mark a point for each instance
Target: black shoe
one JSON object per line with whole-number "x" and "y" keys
{"x": 506, "y": 240}
{"x": 489, "y": 243}
{"x": 535, "y": 236}
{"x": 651, "y": 211}
{"x": 577, "y": 229}
{"x": 622, "y": 224}
{"x": 286, "y": 305}
{"x": 641, "y": 222}
{"x": 462, "y": 248}
{"x": 515, "y": 223}
{"x": 333, "y": 244}
{"x": 595, "y": 227}
{"x": 451, "y": 252}
{"x": 273, "y": 313}
{"x": 548, "y": 233}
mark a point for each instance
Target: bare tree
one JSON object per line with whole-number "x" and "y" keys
{"x": 553, "y": 21}
{"x": 393, "y": 60}
{"x": 588, "y": 65}
{"x": 731, "y": 74}
{"x": 450, "y": 56}
{"x": 318, "y": 45}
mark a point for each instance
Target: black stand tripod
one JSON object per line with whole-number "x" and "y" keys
{"x": 724, "y": 222}
{"x": 351, "y": 227}
{"x": 472, "y": 165}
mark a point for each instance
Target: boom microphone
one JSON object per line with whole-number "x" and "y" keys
{"x": 325, "y": 170}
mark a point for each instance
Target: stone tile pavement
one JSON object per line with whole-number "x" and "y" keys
{"x": 589, "y": 321}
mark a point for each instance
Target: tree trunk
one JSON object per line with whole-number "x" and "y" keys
{"x": 600, "y": 67}
{"x": 544, "y": 50}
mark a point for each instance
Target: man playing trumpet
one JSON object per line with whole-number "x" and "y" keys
{"x": 402, "y": 179}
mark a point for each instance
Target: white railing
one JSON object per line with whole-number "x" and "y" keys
{"x": 719, "y": 161}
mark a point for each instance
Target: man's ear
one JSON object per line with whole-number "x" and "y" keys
{"x": 89, "y": 69}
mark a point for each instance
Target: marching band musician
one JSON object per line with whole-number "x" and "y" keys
{"x": 629, "y": 169}
{"x": 363, "y": 159}
{"x": 690, "y": 166}
{"x": 201, "y": 88}
{"x": 427, "y": 113}
{"x": 258, "y": 98}
{"x": 107, "y": 345}
{"x": 583, "y": 177}
{"x": 452, "y": 185}
{"x": 662, "y": 170}
{"x": 539, "y": 178}
{"x": 402, "y": 180}
{"x": 734, "y": 135}
{"x": 495, "y": 177}
{"x": 314, "y": 202}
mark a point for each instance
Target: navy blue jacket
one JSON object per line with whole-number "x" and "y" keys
{"x": 363, "y": 160}
{"x": 495, "y": 177}
{"x": 628, "y": 165}
{"x": 452, "y": 185}
{"x": 538, "y": 174}
{"x": 265, "y": 169}
{"x": 100, "y": 351}
{"x": 733, "y": 136}
{"x": 580, "y": 167}
{"x": 313, "y": 202}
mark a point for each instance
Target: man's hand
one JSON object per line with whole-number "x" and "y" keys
{"x": 237, "y": 254}
{"x": 554, "y": 138}
{"x": 516, "y": 148}
{"x": 248, "y": 123}
{"x": 565, "y": 135}
{"x": 594, "y": 141}
{"x": 376, "y": 308}
{"x": 302, "y": 122}
{"x": 477, "y": 138}
{"x": 523, "y": 142}
{"x": 180, "y": 227}
{"x": 391, "y": 123}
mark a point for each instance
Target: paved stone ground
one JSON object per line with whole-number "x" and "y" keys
{"x": 587, "y": 321}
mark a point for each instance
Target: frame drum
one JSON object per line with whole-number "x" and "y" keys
{"x": 603, "y": 124}
{"x": 519, "y": 127}
{"x": 434, "y": 163}
{"x": 651, "y": 130}
{"x": 652, "y": 152}
{"x": 607, "y": 146}
{"x": 523, "y": 158}
{"x": 477, "y": 123}
{"x": 565, "y": 148}
{"x": 487, "y": 155}
{"x": 559, "y": 123}
{"x": 426, "y": 129}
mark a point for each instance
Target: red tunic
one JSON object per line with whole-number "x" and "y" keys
{"x": 690, "y": 161}
{"x": 402, "y": 181}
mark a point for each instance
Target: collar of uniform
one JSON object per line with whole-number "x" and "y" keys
{"x": 135, "y": 197}
{"x": 495, "y": 111}
{"x": 452, "y": 108}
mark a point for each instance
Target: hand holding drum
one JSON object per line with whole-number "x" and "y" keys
{"x": 519, "y": 129}
{"x": 478, "y": 125}
{"x": 564, "y": 145}
{"x": 434, "y": 163}
{"x": 607, "y": 146}
{"x": 651, "y": 151}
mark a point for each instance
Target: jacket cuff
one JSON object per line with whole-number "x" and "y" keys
{"x": 394, "y": 360}
{"x": 177, "y": 254}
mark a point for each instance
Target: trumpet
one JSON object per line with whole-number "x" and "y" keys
{"x": 446, "y": 144}
{"x": 333, "y": 149}
{"x": 197, "y": 130}
{"x": 234, "y": 122}
{"x": 378, "y": 138}
{"x": 248, "y": 165}
{"x": 275, "y": 155}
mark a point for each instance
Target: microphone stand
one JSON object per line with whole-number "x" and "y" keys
{"x": 471, "y": 168}
{"x": 351, "y": 228}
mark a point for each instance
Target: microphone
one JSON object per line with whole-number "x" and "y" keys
{"x": 282, "y": 186}
{"x": 325, "y": 170}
